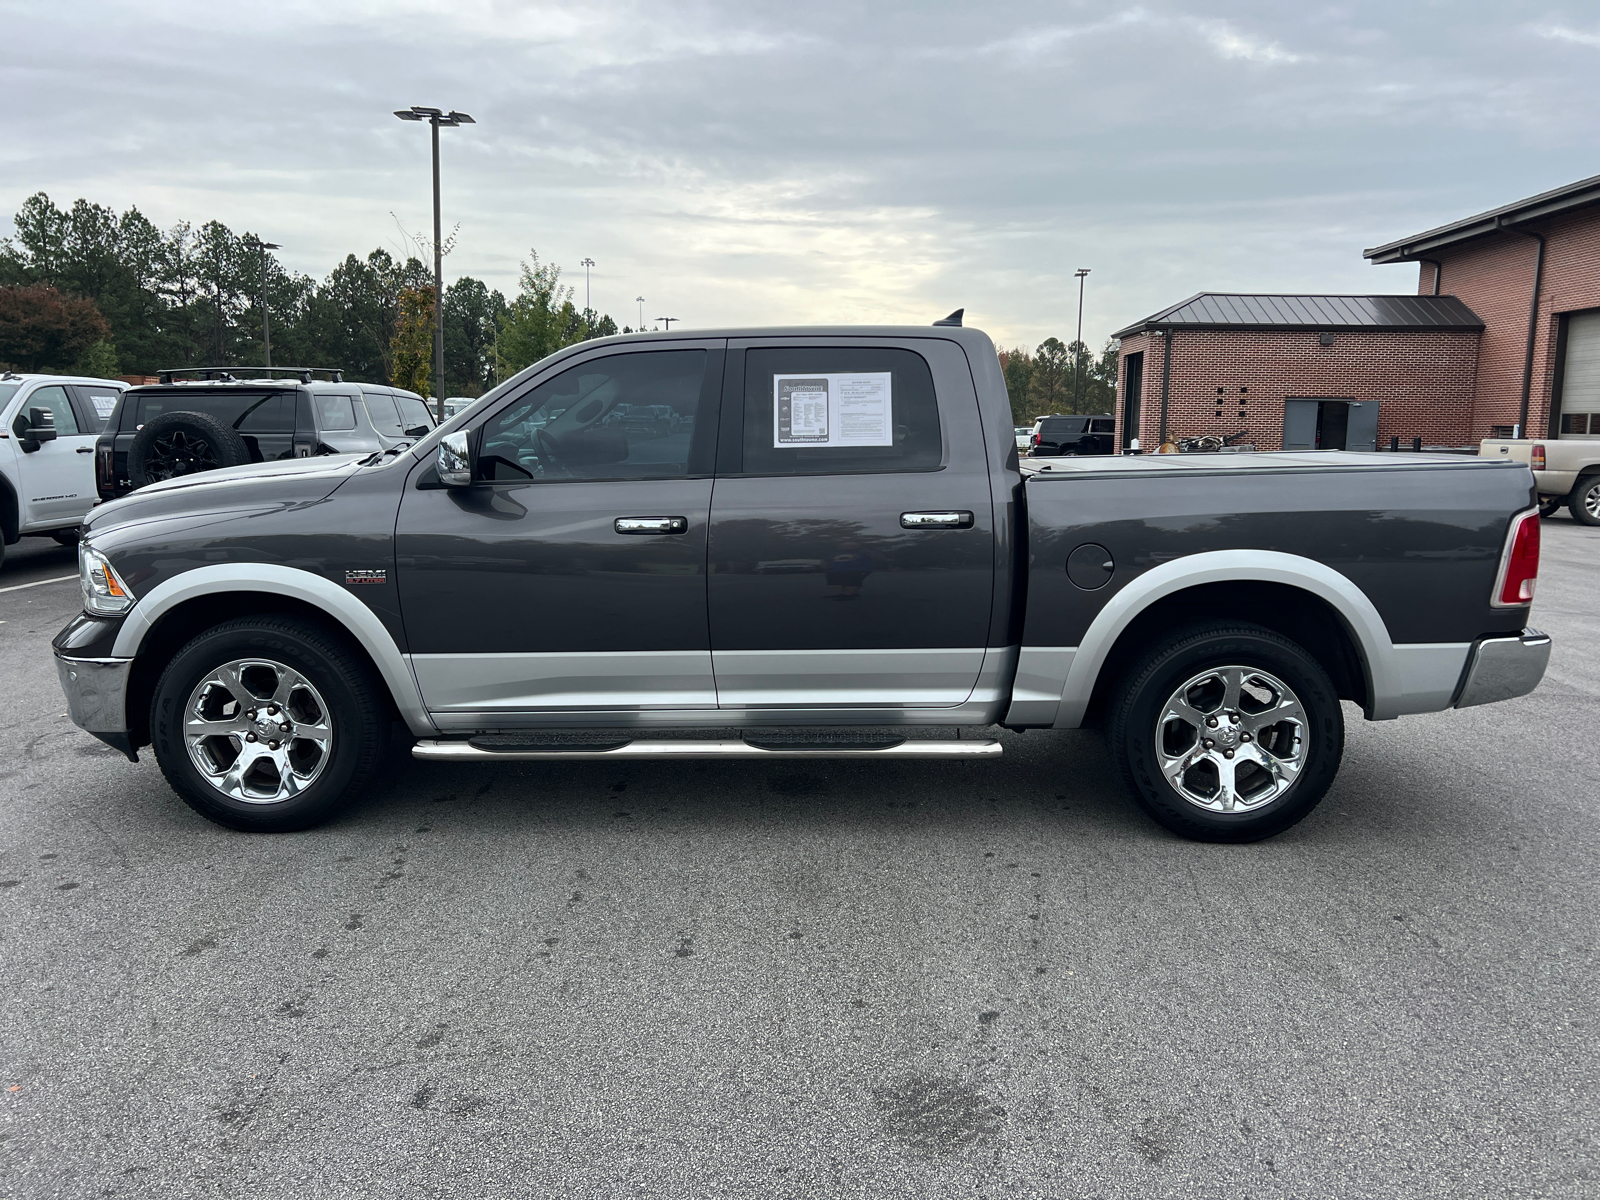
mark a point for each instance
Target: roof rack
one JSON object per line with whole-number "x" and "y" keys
{"x": 234, "y": 374}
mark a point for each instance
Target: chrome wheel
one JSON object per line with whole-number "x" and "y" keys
{"x": 1232, "y": 739}
{"x": 257, "y": 731}
{"x": 1591, "y": 503}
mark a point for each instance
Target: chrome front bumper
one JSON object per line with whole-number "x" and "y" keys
{"x": 1505, "y": 668}
{"x": 97, "y": 692}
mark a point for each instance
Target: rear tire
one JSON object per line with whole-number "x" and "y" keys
{"x": 1584, "y": 503}
{"x": 1227, "y": 732}
{"x": 268, "y": 724}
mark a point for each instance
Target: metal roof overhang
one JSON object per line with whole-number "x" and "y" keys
{"x": 1554, "y": 203}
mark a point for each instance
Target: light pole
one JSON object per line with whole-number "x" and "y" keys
{"x": 1077, "y": 362}
{"x": 587, "y": 307}
{"x": 266, "y": 323}
{"x": 667, "y": 321}
{"x": 436, "y": 118}
{"x": 640, "y": 299}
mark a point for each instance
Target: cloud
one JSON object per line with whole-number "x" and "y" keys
{"x": 1564, "y": 33}
{"x": 1230, "y": 43}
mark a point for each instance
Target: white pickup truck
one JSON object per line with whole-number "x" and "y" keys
{"x": 48, "y": 426}
{"x": 1566, "y": 470}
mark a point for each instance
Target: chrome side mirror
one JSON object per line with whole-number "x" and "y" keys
{"x": 455, "y": 460}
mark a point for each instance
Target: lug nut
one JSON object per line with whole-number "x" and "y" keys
{"x": 251, "y": 714}
{"x": 272, "y": 745}
{"x": 284, "y": 728}
{"x": 249, "y": 737}
{"x": 272, "y": 710}
{"x": 1211, "y": 722}
{"x": 1244, "y": 737}
{"x": 1225, "y": 753}
{"x": 1209, "y": 743}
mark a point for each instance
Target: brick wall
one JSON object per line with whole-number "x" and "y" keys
{"x": 1494, "y": 276}
{"x": 1424, "y": 381}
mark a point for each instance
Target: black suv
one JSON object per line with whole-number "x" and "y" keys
{"x": 1057, "y": 436}
{"x": 227, "y": 417}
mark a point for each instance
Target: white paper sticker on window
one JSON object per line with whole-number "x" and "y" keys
{"x": 832, "y": 410}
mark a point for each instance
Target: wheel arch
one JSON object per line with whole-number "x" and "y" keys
{"x": 175, "y": 611}
{"x": 1298, "y": 597}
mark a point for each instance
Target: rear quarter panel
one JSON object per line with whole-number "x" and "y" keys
{"x": 1424, "y": 544}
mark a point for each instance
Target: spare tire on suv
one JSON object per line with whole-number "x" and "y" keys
{"x": 183, "y": 443}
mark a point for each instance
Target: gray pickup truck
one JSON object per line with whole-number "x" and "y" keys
{"x": 791, "y": 543}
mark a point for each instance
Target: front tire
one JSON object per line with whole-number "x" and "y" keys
{"x": 268, "y": 724}
{"x": 1584, "y": 502}
{"x": 1227, "y": 732}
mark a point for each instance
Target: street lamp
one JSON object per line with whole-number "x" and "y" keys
{"x": 587, "y": 307}
{"x": 640, "y": 299}
{"x": 437, "y": 119}
{"x": 667, "y": 321}
{"x": 1077, "y": 362}
{"x": 266, "y": 324}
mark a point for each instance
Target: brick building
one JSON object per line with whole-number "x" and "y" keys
{"x": 1503, "y": 334}
{"x": 1300, "y": 372}
{"x": 1531, "y": 270}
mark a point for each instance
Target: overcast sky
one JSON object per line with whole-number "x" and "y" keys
{"x": 758, "y": 163}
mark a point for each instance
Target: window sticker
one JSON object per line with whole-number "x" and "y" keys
{"x": 832, "y": 410}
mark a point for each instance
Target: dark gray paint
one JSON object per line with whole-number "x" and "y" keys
{"x": 1221, "y": 310}
{"x": 1424, "y": 545}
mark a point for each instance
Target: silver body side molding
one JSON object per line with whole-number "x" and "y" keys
{"x": 356, "y": 618}
{"x": 435, "y": 751}
{"x": 1401, "y": 679}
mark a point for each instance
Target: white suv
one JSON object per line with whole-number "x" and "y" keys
{"x": 47, "y": 483}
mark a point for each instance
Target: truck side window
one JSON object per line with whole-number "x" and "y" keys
{"x": 53, "y": 398}
{"x": 821, "y": 400}
{"x": 273, "y": 413}
{"x": 414, "y": 413}
{"x": 624, "y": 416}
{"x": 385, "y": 416}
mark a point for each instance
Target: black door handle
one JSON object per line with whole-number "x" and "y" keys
{"x": 85, "y": 449}
{"x": 651, "y": 524}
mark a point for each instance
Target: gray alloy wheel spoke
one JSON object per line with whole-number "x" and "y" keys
{"x": 1210, "y": 776}
{"x": 253, "y": 759}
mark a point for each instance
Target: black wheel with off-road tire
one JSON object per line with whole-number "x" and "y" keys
{"x": 1584, "y": 502}
{"x": 269, "y": 723}
{"x": 183, "y": 443}
{"x": 1227, "y": 732}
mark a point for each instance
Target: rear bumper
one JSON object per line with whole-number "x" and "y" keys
{"x": 97, "y": 697}
{"x": 1504, "y": 668}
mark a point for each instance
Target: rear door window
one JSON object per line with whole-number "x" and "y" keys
{"x": 336, "y": 412}
{"x": 95, "y": 405}
{"x": 839, "y": 410}
{"x": 272, "y": 414}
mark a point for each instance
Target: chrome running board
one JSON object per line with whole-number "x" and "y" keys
{"x": 757, "y": 747}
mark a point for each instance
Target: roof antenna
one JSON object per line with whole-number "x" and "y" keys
{"x": 953, "y": 319}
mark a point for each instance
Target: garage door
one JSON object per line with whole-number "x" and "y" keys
{"x": 1580, "y": 377}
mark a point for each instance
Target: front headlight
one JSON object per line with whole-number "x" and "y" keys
{"x": 104, "y": 595}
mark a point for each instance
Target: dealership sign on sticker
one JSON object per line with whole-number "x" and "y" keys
{"x": 832, "y": 410}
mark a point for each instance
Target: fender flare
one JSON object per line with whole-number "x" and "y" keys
{"x": 356, "y": 618}
{"x": 1360, "y": 617}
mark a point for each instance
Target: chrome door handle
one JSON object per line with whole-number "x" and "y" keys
{"x": 652, "y": 524}
{"x": 936, "y": 520}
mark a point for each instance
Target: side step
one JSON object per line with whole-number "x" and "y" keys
{"x": 484, "y": 750}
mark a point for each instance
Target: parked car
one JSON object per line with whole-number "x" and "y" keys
{"x": 809, "y": 585}
{"x": 48, "y": 425}
{"x": 226, "y": 417}
{"x": 1566, "y": 470}
{"x": 455, "y": 404}
{"x": 1056, "y": 436}
{"x": 1024, "y": 436}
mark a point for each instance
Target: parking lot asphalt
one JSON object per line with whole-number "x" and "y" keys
{"x": 832, "y": 979}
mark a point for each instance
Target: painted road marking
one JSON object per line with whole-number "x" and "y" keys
{"x": 36, "y": 583}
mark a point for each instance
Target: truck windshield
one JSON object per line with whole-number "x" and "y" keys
{"x": 7, "y": 390}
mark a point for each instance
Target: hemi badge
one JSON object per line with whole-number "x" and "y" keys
{"x": 366, "y": 576}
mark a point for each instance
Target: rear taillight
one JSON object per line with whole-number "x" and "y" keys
{"x": 1034, "y": 441}
{"x": 104, "y": 483}
{"x": 1519, "y": 565}
{"x": 1536, "y": 459}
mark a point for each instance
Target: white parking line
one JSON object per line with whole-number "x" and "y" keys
{"x": 36, "y": 583}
